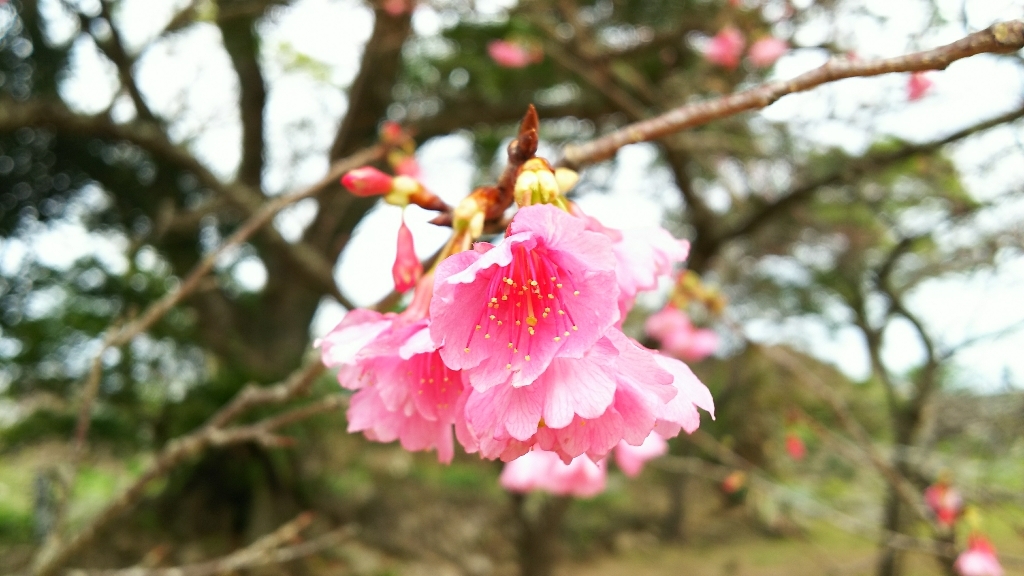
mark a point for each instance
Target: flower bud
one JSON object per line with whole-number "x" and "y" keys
{"x": 537, "y": 183}
{"x": 469, "y": 216}
{"x": 566, "y": 179}
{"x": 407, "y": 268}
{"x": 367, "y": 181}
{"x": 402, "y": 188}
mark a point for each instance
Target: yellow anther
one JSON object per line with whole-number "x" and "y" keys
{"x": 575, "y": 292}
{"x": 527, "y": 357}
{"x": 486, "y": 336}
{"x": 531, "y": 320}
{"x": 558, "y": 338}
{"x": 466, "y": 350}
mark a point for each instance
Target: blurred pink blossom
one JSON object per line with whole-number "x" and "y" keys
{"x": 979, "y": 559}
{"x": 726, "y": 48}
{"x": 631, "y": 459}
{"x": 678, "y": 336}
{"x": 945, "y": 502}
{"x": 513, "y": 54}
{"x": 918, "y": 86}
{"x": 795, "y": 446}
{"x": 545, "y": 471}
{"x": 766, "y": 51}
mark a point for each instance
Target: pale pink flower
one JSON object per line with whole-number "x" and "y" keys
{"x": 513, "y": 54}
{"x": 766, "y": 51}
{"x": 679, "y": 337}
{"x": 642, "y": 256}
{"x": 404, "y": 391}
{"x": 545, "y": 471}
{"x": 407, "y": 268}
{"x": 367, "y": 181}
{"x": 918, "y": 85}
{"x": 945, "y": 502}
{"x": 503, "y": 313}
{"x": 631, "y": 459}
{"x": 725, "y": 48}
{"x": 618, "y": 391}
{"x": 979, "y": 559}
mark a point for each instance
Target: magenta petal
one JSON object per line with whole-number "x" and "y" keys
{"x": 547, "y": 291}
{"x": 682, "y": 410}
{"x": 583, "y": 387}
{"x": 357, "y": 329}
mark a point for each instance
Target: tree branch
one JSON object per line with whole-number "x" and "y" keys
{"x": 242, "y": 45}
{"x": 54, "y": 555}
{"x": 999, "y": 38}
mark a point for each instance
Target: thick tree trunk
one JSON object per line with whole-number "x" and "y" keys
{"x": 890, "y": 560}
{"x": 537, "y": 540}
{"x": 673, "y": 527}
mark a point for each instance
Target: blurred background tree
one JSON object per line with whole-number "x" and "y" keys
{"x": 845, "y": 227}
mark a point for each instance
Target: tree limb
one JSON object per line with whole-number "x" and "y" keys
{"x": 999, "y": 38}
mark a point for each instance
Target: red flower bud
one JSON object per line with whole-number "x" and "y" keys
{"x": 407, "y": 269}
{"x": 795, "y": 447}
{"x": 367, "y": 181}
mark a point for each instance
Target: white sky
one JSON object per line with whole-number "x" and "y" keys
{"x": 189, "y": 77}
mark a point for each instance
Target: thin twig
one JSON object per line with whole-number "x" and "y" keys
{"x": 51, "y": 557}
{"x": 846, "y": 419}
{"x": 999, "y": 38}
{"x": 155, "y": 311}
{"x": 269, "y": 550}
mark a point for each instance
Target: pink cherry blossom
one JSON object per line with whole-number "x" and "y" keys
{"x": 631, "y": 459}
{"x": 642, "y": 256}
{"x": 367, "y": 181}
{"x": 918, "y": 86}
{"x": 795, "y": 447}
{"x": 619, "y": 391}
{"x": 407, "y": 268}
{"x": 512, "y": 54}
{"x": 945, "y": 502}
{"x": 979, "y": 559}
{"x": 396, "y": 8}
{"x": 545, "y": 471}
{"x": 725, "y": 48}
{"x": 503, "y": 313}
{"x": 408, "y": 166}
{"x": 678, "y": 336}
{"x": 404, "y": 391}
{"x": 766, "y": 51}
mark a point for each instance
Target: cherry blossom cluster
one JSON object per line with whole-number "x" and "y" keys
{"x": 947, "y": 508}
{"x": 514, "y": 347}
{"x": 725, "y": 49}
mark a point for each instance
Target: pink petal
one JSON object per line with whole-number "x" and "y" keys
{"x": 631, "y": 459}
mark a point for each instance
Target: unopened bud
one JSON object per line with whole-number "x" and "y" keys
{"x": 469, "y": 216}
{"x": 526, "y": 183}
{"x": 566, "y": 179}
{"x": 367, "y": 181}
{"x": 407, "y": 268}
{"x": 402, "y": 188}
